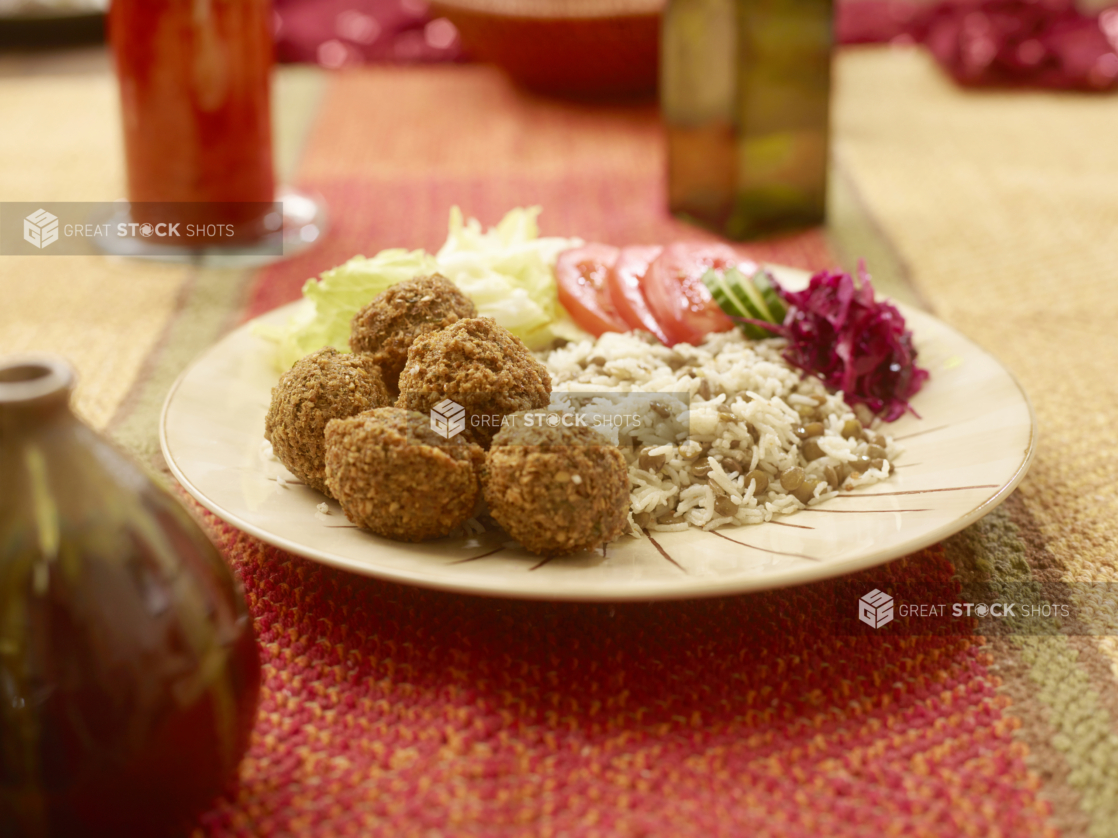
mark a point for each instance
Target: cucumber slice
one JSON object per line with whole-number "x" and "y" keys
{"x": 745, "y": 291}
{"x": 764, "y": 283}
{"x": 723, "y": 293}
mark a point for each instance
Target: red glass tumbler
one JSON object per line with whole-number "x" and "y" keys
{"x": 194, "y": 80}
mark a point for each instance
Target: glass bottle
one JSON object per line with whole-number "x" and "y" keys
{"x": 129, "y": 673}
{"x": 745, "y": 92}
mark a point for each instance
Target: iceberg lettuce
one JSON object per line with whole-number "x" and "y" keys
{"x": 508, "y": 272}
{"x": 336, "y": 296}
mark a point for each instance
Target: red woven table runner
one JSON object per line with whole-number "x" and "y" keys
{"x": 400, "y": 711}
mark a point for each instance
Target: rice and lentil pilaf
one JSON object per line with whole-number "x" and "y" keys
{"x": 761, "y": 438}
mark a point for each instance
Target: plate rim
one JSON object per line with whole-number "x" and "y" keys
{"x": 697, "y": 589}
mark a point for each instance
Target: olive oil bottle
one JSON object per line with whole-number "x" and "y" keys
{"x": 745, "y": 95}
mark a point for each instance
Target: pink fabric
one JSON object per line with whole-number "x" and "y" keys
{"x": 1003, "y": 43}
{"x": 338, "y": 33}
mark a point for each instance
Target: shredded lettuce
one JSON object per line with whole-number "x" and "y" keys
{"x": 507, "y": 272}
{"x": 336, "y": 296}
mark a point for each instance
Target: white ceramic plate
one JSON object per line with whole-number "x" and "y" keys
{"x": 970, "y": 447}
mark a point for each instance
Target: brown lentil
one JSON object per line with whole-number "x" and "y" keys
{"x": 792, "y": 478}
{"x": 723, "y": 506}
{"x": 812, "y": 451}
{"x": 760, "y": 478}
{"x": 806, "y": 490}
{"x": 810, "y": 430}
{"x": 831, "y": 475}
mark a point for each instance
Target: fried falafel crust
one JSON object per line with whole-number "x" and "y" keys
{"x": 397, "y": 478}
{"x": 479, "y": 365}
{"x": 557, "y": 490}
{"x": 324, "y": 385}
{"x": 388, "y": 325}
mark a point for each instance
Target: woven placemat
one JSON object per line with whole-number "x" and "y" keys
{"x": 391, "y": 710}
{"x": 1001, "y": 208}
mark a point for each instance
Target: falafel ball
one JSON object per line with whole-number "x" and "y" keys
{"x": 386, "y": 327}
{"x": 394, "y": 476}
{"x": 325, "y": 385}
{"x": 480, "y": 366}
{"x": 557, "y": 489}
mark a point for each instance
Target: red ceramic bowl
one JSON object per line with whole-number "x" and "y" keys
{"x": 597, "y": 48}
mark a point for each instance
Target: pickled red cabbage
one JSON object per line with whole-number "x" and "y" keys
{"x": 838, "y": 331}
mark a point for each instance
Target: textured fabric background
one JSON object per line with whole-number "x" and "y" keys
{"x": 397, "y": 711}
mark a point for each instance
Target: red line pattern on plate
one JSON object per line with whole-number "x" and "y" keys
{"x": 920, "y": 433}
{"x": 859, "y": 511}
{"x": 918, "y": 491}
{"x": 475, "y": 558}
{"x": 664, "y": 553}
{"x": 785, "y": 524}
{"x": 765, "y": 549}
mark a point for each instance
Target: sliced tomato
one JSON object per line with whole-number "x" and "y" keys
{"x": 582, "y": 275}
{"x": 676, "y": 295}
{"x": 625, "y": 288}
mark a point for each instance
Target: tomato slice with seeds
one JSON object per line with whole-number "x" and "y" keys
{"x": 677, "y": 297}
{"x": 625, "y": 288}
{"x": 582, "y": 276}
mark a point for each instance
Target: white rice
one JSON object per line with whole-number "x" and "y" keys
{"x": 746, "y": 405}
